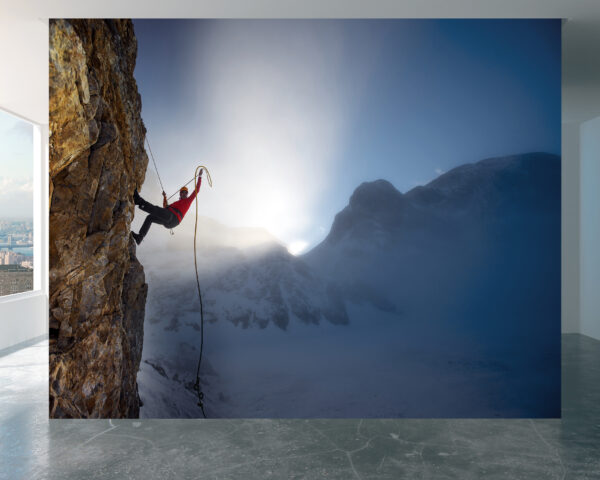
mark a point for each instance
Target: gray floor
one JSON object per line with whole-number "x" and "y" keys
{"x": 32, "y": 447}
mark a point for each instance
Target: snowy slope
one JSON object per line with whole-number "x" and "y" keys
{"x": 443, "y": 301}
{"x": 248, "y": 280}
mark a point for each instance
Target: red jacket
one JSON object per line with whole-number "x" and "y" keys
{"x": 180, "y": 207}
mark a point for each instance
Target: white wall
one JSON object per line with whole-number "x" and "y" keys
{"x": 22, "y": 317}
{"x": 570, "y": 228}
{"x": 24, "y": 60}
{"x": 24, "y": 92}
{"x": 590, "y": 228}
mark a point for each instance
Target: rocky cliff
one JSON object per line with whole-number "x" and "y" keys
{"x": 97, "y": 158}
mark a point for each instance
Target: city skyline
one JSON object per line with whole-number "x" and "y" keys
{"x": 16, "y": 261}
{"x": 16, "y": 243}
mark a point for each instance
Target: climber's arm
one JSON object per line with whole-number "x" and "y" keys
{"x": 197, "y": 189}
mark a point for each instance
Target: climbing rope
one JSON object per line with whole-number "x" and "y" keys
{"x": 190, "y": 181}
{"x": 157, "y": 174}
{"x": 197, "y": 388}
{"x": 155, "y": 167}
{"x": 193, "y": 180}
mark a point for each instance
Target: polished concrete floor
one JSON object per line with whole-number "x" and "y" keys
{"x": 32, "y": 447}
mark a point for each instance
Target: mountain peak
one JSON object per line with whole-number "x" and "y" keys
{"x": 375, "y": 195}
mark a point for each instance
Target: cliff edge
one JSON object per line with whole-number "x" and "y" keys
{"x": 97, "y": 158}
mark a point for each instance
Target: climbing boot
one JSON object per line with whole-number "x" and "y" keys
{"x": 137, "y": 237}
{"x": 136, "y": 197}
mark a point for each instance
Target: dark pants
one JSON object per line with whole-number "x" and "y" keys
{"x": 162, "y": 216}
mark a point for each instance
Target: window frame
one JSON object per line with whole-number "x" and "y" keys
{"x": 40, "y": 210}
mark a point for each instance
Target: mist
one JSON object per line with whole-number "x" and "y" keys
{"x": 271, "y": 105}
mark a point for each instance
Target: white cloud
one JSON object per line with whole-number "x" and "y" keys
{"x": 439, "y": 171}
{"x": 10, "y": 185}
{"x": 16, "y": 197}
{"x": 26, "y": 187}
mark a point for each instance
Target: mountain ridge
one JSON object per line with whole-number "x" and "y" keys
{"x": 379, "y": 201}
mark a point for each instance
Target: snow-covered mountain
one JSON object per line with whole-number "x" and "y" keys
{"x": 494, "y": 221}
{"x": 247, "y": 278}
{"x": 249, "y": 281}
{"x": 443, "y": 301}
{"x": 488, "y": 192}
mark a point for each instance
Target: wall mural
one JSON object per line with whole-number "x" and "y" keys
{"x": 305, "y": 218}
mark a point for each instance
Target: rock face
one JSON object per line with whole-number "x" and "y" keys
{"x": 97, "y": 158}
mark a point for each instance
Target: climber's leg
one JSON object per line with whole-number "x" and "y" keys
{"x": 147, "y": 206}
{"x": 152, "y": 209}
{"x": 150, "y": 219}
{"x": 162, "y": 216}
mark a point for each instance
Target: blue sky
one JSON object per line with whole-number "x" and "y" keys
{"x": 291, "y": 116}
{"x": 16, "y": 167}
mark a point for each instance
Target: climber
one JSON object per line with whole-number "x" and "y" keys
{"x": 170, "y": 215}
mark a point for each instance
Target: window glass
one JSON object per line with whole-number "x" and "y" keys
{"x": 16, "y": 204}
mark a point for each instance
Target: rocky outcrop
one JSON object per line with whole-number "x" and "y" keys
{"x": 97, "y": 158}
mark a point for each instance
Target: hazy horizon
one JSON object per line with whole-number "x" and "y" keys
{"x": 159, "y": 235}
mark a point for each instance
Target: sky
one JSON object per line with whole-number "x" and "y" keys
{"x": 16, "y": 167}
{"x": 290, "y": 116}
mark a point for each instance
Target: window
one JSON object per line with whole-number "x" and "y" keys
{"x": 17, "y": 151}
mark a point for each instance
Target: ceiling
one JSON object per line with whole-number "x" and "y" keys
{"x": 581, "y": 30}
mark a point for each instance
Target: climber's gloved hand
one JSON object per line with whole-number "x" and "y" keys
{"x": 201, "y": 170}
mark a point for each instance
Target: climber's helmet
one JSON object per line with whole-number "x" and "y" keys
{"x": 183, "y": 192}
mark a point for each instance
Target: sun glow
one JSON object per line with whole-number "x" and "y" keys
{"x": 297, "y": 247}
{"x": 276, "y": 123}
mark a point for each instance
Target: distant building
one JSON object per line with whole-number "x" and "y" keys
{"x": 8, "y": 257}
{"x": 11, "y": 258}
{"x": 27, "y": 264}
